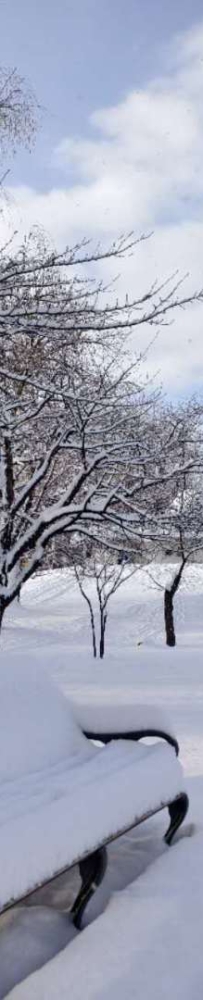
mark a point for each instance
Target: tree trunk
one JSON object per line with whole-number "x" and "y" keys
{"x": 94, "y": 644}
{"x": 168, "y": 605}
{"x": 169, "y": 619}
{"x": 2, "y": 610}
{"x": 103, "y": 620}
{"x": 101, "y": 644}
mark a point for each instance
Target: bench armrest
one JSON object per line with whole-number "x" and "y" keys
{"x": 124, "y": 720}
{"x": 137, "y": 734}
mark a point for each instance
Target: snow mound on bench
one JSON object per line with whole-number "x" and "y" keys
{"x": 37, "y": 727}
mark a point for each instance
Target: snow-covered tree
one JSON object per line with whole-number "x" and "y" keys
{"x": 70, "y": 459}
{"x": 18, "y": 111}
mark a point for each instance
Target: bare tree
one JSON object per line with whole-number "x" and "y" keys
{"x": 181, "y": 508}
{"x": 100, "y": 567}
{"x": 186, "y": 541}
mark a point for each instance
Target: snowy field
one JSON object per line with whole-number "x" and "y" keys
{"x": 146, "y": 942}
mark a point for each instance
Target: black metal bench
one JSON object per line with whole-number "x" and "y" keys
{"x": 88, "y": 801}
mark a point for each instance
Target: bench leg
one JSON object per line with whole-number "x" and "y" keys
{"x": 92, "y": 871}
{"x": 177, "y": 812}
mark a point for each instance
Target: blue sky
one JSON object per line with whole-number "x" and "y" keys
{"x": 80, "y": 55}
{"x": 120, "y": 145}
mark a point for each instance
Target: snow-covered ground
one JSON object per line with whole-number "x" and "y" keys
{"x": 146, "y": 942}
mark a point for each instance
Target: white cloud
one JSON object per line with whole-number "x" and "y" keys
{"x": 141, "y": 170}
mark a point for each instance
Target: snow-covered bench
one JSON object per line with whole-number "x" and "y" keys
{"x": 63, "y": 798}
